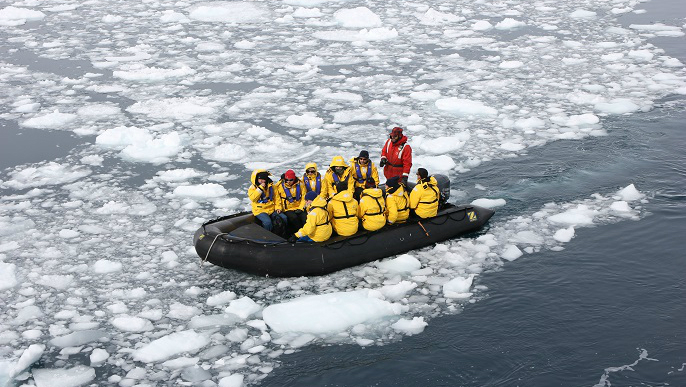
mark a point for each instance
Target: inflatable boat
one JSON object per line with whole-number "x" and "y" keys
{"x": 237, "y": 242}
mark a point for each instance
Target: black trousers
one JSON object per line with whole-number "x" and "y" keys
{"x": 296, "y": 219}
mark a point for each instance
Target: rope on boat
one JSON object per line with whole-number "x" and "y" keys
{"x": 210, "y": 249}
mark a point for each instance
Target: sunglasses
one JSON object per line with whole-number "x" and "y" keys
{"x": 310, "y": 171}
{"x": 290, "y": 179}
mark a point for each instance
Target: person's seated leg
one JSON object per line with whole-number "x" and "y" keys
{"x": 279, "y": 223}
{"x": 265, "y": 220}
{"x": 302, "y": 219}
{"x": 293, "y": 222}
{"x": 357, "y": 194}
{"x": 305, "y": 238}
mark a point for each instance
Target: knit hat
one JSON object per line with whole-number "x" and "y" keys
{"x": 310, "y": 195}
{"x": 423, "y": 173}
{"x": 290, "y": 174}
{"x": 262, "y": 175}
{"x": 364, "y": 154}
{"x": 370, "y": 183}
{"x": 392, "y": 182}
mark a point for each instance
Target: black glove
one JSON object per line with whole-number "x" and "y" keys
{"x": 404, "y": 180}
{"x": 292, "y": 239}
{"x": 383, "y": 162}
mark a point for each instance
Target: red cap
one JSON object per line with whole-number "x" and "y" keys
{"x": 397, "y": 130}
{"x": 290, "y": 174}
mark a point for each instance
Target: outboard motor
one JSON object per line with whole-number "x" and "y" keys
{"x": 443, "y": 188}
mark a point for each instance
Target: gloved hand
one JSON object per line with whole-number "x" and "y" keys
{"x": 404, "y": 178}
{"x": 383, "y": 162}
{"x": 292, "y": 239}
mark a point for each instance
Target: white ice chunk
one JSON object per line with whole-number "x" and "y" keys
{"x": 174, "y": 108}
{"x": 28, "y": 357}
{"x": 243, "y": 307}
{"x": 233, "y": 380}
{"x": 509, "y": 24}
{"x": 170, "y": 345}
{"x": 328, "y": 313}
{"x": 98, "y": 355}
{"x": 7, "y": 277}
{"x": 489, "y": 203}
{"x": 629, "y": 193}
{"x": 63, "y": 377}
{"x": 202, "y": 191}
{"x": 442, "y": 144}
{"x": 620, "y": 206}
{"x": 122, "y": 136}
{"x": 617, "y": 106}
{"x": 359, "y": 17}
{"x": 155, "y": 151}
{"x": 52, "y": 120}
{"x": 13, "y": 16}
{"x": 78, "y": 338}
{"x": 482, "y": 25}
{"x": 402, "y": 264}
{"x": 398, "y": 291}
{"x": 511, "y": 64}
{"x": 132, "y": 324}
{"x": 410, "y": 327}
{"x": 228, "y": 12}
{"x": 465, "y": 107}
{"x": 511, "y": 253}
{"x": 580, "y": 216}
{"x": 458, "y": 287}
{"x": 305, "y": 121}
{"x": 56, "y": 281}
{"x": 583, "y": 14}
{"x": 51, "y": 173}
{"x": 362, "y": 35}
{"x": 222, "y": 298}
{"x": 564, "y": 235}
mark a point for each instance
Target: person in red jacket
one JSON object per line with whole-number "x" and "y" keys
{"x": 396, "y": 155}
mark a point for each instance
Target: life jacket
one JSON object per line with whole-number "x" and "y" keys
{"x": 433, "y": 188}
{"x": 337, "y": 179}
{"x": 327, "y": 215}
{"x": 358, "y": 172}
{"x": 289, "y": 196}
{"x": 347, "y": 213}
{"x": 381, "y": 208}
{"x": 390, "y": 192}
{"x": 266, "y": 199}
{"x": 317, "y": 185}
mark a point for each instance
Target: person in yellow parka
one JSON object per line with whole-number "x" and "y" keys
{"x": 397, "y": 201}
{"x": 372, "y": 208}
{"x": 290, "y": 192}
{"x": 312, "y": 179}
{"x": 317, "y": 228}
{"x": 261, "y": 194}
{"x": 363, "y": 169}
{"x": 343, "y": 211}
{"x": 338, "y": 172}
{"x": 424, "y": 197}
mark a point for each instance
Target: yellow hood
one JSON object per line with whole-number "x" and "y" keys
{"x": 319, "y": 202}
{"x": 311, "y": 165}
{"x": 373, "y": 192}
{"x": 338, "y": 161}
{"x": 343, "y": 196}
{"x": 253, "y": 177}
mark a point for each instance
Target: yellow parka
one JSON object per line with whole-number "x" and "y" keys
{"x": 311, "y": 183}
{"x": 318, "y": 224}
{"x": 329, "y": 184}
{"x": 424, "y": 198}
{"x": 397, "y": 206}
{"x": 372, "y": 209}
{"x": 262, "y": 200}
{"x": 297, "y": 193}
{"x": 343, "y": 212}
{"x": 359, "y": 172}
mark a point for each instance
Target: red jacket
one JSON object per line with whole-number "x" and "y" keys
{"x": 398, "y": 156}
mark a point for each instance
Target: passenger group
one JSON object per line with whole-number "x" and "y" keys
{"x": 347, "y": 197}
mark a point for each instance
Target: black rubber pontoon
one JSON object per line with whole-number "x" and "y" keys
{"x": 237, "y": 242}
